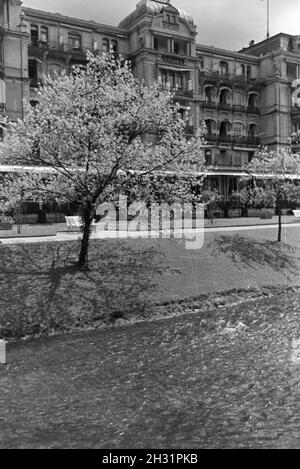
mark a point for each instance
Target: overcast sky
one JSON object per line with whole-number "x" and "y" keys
{"x": 230, "y": 24}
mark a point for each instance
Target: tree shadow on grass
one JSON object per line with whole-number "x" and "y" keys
{"x": 243, "y": 251}
{"x": 42, "y": 289}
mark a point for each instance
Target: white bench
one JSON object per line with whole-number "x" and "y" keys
{"x": 76, "y": 222}
{"x": 73, "y": 222}
{"x": 296, "y": 213}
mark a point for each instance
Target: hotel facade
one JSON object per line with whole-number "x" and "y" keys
{"x": 247, "y": 98}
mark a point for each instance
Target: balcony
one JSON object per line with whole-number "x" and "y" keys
{"x": 246, "y": 141}
{"x": 224, "y": 107}
{"x": 172, "y": 60}
{"x": 208, "y": 105}
{"x": 238, "y": 108}
{"x": 39, "y": 44}
{"x": 229, "y": 77}
{"x": 34, "y": 83}
{"x": 189, "y": 129}
{"x": 184, "y": 93}
{"x": 233, "y": 140}
{"x": 252, "y": 110}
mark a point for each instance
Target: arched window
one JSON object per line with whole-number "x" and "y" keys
{"x": 74, "y": 40}
{"x": 44, "y": 34}
{"x": 34, "y": 34}
{"x": 252, "y": 131}
{"x": 105, "y": 45}
{"x": 252, "y": 100}
{"x": 209, "y": 94}
{"x": 237, "y": 98}
{"x": 224, "y": 96}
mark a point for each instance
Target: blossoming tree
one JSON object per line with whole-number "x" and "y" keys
{"x": 276, "y": 179}
{"x": 97, "y": 129}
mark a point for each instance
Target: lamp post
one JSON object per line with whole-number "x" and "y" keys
{"x": 20, "y": 26}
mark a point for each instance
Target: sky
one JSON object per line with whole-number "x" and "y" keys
{"x": 229, "y": 24}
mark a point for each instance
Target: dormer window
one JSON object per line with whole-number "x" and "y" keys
{"x": 74, "y": 40}
{"x": 114, "y": 46}
{"x": 105, "y": 45}
{"x": 34, "y": 34}
{"x": 44, "y": 34}
{"x": 223, "y": 67}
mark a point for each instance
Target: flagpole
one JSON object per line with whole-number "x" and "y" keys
{"x": 268, "y": 19}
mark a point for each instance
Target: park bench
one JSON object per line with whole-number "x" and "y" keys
{"x": 296, "y": 213}
{"x": 74, "y": 223}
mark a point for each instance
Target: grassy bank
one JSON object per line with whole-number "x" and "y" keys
{"x": 41, "y": 290}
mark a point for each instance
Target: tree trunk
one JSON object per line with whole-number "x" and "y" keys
{"x": 87, "y": 218}
{"x": 279, "y": 218}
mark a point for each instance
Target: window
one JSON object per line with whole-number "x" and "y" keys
{"x": 105, "y": 45}
{"x": 209, "y": 94}
{"x": 114, "y": 46}
{"x": 200, "y": 62}
{"x": 252, "y": 100}
{"x": 33, "y": 73}
{"x": 54, "y": 70}
{"x": 1, "y": 133}
{"x": 237, "y": 98}
{"x": 248, "y": 71}
{"x": 224, "y": 96}
{"x": 223, "y": 67}
{"x": 209, "y": 128}
{"x": 208, "y": 158}
{"x": 224, "y": 127}
{"x": 141, "y": 43}
{"x": 74, "y": 40}
{"x": 176, "y": 47}
{"x": 155, "y": 43}
{"x": 44, "y": 34}
{"x": 238, "y": 129}
{"x": 34, "y": 34}
{"x": 250, "y": 155}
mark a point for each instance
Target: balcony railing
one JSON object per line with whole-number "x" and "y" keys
{"x": 238, "y": 108}
{"x": 186, "y": 93}
{"x": 229, "y": 76}
{"x": 253, "y": 110}
{"x": 224, "y": 106}
{"x": 190, "y": 129}
{"x": 233, "y": 140}
{"x": 171, "y": 59}
{"x": 208, "y": 105}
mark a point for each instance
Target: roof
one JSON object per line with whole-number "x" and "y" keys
{"x": 57, "y": 17}
{"x": 152, "y": 7}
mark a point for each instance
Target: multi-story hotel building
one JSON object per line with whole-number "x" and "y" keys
{"x": 247, "y": 98}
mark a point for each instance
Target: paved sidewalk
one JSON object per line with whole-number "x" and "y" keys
{"x": 188, "y": 234}
{"x": 59, "y": 231}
